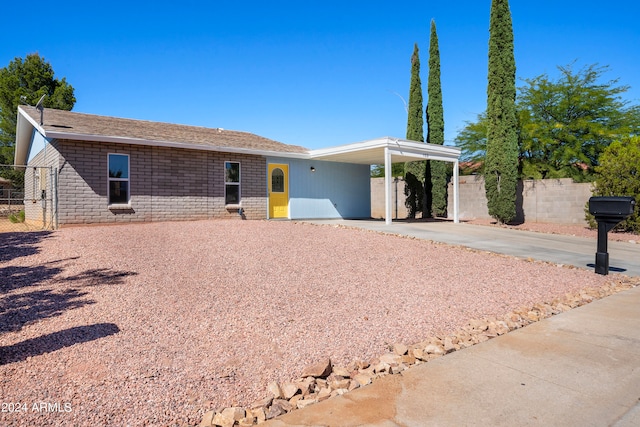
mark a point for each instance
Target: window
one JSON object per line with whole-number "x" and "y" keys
{"x": 231, "y": 183}
{"x": 277, "y": 181}
{"x": 118, "y": 179}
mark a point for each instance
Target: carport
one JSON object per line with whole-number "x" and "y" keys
{"x": 392, "y": 150}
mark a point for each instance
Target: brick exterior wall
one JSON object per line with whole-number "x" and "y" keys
{"x": 40, "y": 175}
{"x": 165, "y": 184}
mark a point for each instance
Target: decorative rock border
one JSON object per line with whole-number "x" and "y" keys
{"x": 324, "y": 380}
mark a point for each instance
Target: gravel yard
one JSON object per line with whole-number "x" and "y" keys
{"x": 154, "y": 324}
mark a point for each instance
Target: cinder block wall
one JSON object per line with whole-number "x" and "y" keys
{"x": 473, "y": 200}
{"x": 32, "y": 206}
{"x": 555, "y": 200}
{"x": 165, "y": 184}
{"x": 37, "y": 177}
{"x": 559, "y": 201}
{"x": 398, "y": 208}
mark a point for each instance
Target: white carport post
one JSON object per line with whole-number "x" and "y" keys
{"x": 456, "y": 196}
{"x": 387, "y": 186}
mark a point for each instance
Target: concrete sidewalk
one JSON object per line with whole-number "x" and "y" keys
{"x": 579, "y": 368}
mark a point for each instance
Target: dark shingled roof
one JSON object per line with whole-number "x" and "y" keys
{"x": 79, "y": 124}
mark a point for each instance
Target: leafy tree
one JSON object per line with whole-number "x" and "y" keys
{"x": 435, "y": 130}
{"x": 501, "y": 162}
{"x": 24, "y": 82}
{"x": 397, "y": 169}
{"x": 564, "y": 124}
{"x": 415, "y": 171}
{"x": 618, "y": 174}
{"x": 472, "y": 140}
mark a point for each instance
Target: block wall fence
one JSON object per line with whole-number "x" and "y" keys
{"x": 558, "y": 201}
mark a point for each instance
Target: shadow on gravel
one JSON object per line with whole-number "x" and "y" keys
{"x": 100, "y": 277}
{"x": 20, "y": 307}
{"x": 15, "y": 245}
{"x": 55, "y": 341}
{"x": 16, "y": 277}
{"x": 611, "y": 268}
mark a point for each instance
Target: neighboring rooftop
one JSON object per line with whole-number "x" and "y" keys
{"x": 80, "y": 126}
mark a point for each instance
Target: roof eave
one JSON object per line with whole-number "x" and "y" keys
{"x": 171, "y": 144}
{"x": 24, "y": 136}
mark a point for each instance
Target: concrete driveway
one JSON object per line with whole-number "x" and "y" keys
{"x": 624, "y": 257}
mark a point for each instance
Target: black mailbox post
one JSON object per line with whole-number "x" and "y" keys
{"x": 608, "y": 211}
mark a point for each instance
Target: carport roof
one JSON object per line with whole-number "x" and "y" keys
{"x": 388, "y": 150}
{"x": 373, "y": 152}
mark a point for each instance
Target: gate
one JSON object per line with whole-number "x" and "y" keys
{"x": 28, "y": 198}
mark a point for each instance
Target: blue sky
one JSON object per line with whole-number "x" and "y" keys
{"x": 310, "y": 73}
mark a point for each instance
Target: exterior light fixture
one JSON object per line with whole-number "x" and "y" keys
{"x": 313, "y": 169}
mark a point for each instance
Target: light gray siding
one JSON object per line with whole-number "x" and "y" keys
{"x": 333, "y": 190}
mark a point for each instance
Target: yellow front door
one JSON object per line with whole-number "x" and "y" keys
{"x": 278, "y": 191}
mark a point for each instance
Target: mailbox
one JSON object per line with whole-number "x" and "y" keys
{"x": 608, "y": 211}
{"x": 615, "y": 208}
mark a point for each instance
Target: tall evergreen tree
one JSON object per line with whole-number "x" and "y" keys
{"x": 501, "y": 162}
{"x": 435, "y": 132}
{"x": 414, "y": 171}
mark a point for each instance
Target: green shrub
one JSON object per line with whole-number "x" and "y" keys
{"x": 414, "y": 192}
{"x": 618, "y": 174}
{"x": 17, "y": 218}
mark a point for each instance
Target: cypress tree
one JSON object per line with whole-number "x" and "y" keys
{"x": 435, "y": 132}
{"x": 501, "y": 161}
{"x": 414, "y": 171}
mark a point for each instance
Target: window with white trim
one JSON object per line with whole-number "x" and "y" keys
{"x": 118, "y": 179}
{"x": 232, "y": 183}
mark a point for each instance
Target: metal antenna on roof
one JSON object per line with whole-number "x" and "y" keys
{"x": 40, "y": 108}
